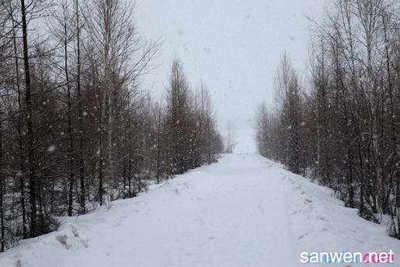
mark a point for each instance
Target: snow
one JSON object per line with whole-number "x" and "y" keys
{"x": 247, "y": 141}
{"x": 242, "y": 211}
{"x": 51, "y": 149}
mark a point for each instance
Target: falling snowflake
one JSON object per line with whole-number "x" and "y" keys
{"x": 51, "y": 149}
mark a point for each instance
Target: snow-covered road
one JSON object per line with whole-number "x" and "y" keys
{"x": 242, "y": 211}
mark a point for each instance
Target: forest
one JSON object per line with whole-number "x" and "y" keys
{"x": 341, "y": 126}
{"x": 77, "y": 128}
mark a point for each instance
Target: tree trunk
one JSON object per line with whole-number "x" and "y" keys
{"x": 34, "y": 231}
{"x": 2, "y": 190}
{"x": 20, "y": 122}
{"x": 69, "y": 123}
{"x": 80, "y": 111}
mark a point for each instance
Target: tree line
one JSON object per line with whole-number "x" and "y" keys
{"x": 76, "y": 127}
{"x": 342, "y": 127}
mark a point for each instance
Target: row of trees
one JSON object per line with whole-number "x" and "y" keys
{"x": 75, "y": 127}
{"x": 344, "y": 128}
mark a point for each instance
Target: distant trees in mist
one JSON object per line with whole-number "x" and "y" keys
{"x": 230, "y": 139}
{"x": 343, "y": 128}
{"x": 76, "y": 128}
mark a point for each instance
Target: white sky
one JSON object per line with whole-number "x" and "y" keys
{"x": 233, "y": 46}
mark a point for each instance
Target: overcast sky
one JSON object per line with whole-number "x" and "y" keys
{"x": 233, "y": 46}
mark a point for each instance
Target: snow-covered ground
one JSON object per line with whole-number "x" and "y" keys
{"x": 242, "y": 211}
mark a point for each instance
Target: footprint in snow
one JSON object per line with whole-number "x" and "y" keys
{"x": 302, "y": 236}
{"x": 323, "y": 218}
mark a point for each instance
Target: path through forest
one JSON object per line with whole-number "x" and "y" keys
{"x": 242, "y": 211}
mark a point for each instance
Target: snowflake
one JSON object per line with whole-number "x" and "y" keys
{"x": 51, "y": 148}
